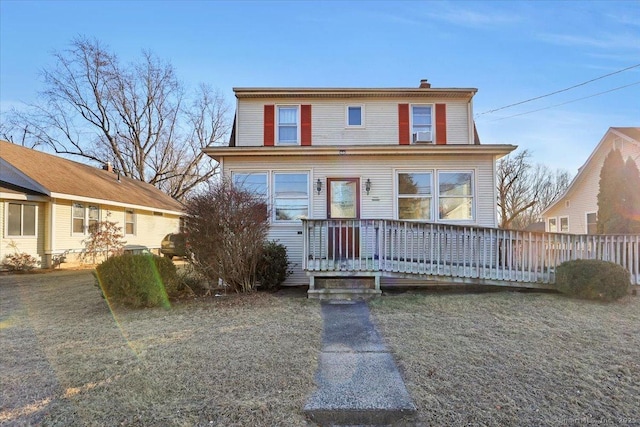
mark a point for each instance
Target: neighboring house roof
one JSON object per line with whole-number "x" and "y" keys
{"x": 631, "y": 134}
{"x": 54, "y": 176}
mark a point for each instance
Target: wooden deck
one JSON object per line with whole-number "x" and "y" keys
{"x": 454, "y": 253}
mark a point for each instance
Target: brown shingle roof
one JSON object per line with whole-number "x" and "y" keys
{"x": 64, "y": 176}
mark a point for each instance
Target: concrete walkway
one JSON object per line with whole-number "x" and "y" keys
{"x": 358, "y": 381}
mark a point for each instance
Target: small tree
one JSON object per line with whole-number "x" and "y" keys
{"x": 105, "y": 238}
{"x": 226, "y": 229}
{"x": 611, "y": 195}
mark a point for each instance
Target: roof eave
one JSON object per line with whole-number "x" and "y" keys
{"x": 499, "y": 150}
{"x": 283, "y": 92}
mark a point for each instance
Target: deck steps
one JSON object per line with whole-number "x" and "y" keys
{"x": 344, "y": 288}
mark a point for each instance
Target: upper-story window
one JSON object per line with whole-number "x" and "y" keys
{"x": 422, "y": 123}
{"x": 553, "y": 225}
{"x": 288, "y": 124}
{"x": 355, "y": 116}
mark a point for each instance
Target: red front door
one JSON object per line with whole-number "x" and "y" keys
{"x": 343, "y": 203}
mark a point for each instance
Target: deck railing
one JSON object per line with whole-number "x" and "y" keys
{"x": 407, "y": 248}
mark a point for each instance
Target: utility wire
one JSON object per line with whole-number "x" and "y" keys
{"x": 558, "y": 91}
{"x": 565, "y": 103}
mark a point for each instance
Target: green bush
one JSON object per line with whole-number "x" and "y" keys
{"x": 273, "y": 267}
{"x": 592, "y": 279}
{"x": 138, "y": 280}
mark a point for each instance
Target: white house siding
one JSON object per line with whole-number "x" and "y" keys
{"x": 328, "y": 120}
{"x": 380, "y": 203}
{"x": 149, "y": 228}
{"x": 32, "y": 245}
{"x": 583, "y": 195}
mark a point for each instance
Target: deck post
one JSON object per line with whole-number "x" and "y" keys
{"x": 312, "y": 283}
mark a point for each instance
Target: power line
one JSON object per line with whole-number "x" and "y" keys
{"x": 568, "y": 102}
{"x": 558, "y": 91}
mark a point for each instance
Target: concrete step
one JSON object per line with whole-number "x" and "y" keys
{"x": 342, "y": 294}
{"x": 358, "y": 389}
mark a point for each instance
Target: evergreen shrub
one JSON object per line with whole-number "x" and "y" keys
{"x": 273, "y": 268}
{"x": 592, "y": 279}
{"x": 138, "y": 280}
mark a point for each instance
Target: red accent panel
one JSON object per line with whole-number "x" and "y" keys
{"x": 269, "y": 125}
{"x": 441, "y": 124}
{"x": 404, "y": 136}
{"x": 305, "y": 128}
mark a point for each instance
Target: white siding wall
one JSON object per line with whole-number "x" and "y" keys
{"x": 149, "y": 228}
{"x": 328, "y": 121}
{"x": 583, "y": 196}
{"x": 381, "y": 202}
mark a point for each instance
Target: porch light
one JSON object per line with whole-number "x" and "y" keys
{"x": 367, "y": 186}
{"x": 318, "y": 186}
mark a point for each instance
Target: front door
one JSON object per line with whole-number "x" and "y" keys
{"x": 343, "y": 203}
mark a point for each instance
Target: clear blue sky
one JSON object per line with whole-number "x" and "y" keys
{"x": 510, "y": 51}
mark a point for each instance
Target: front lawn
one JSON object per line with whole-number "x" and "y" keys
{"x": 226, "y": 361}
{"x": 515, "y": 359}
{"x": 488, "y": 359}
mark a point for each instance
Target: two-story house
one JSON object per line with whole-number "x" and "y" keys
{"x": 409, "y": 154}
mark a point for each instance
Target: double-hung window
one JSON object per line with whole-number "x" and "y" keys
{"x": 290, "y": 195}
{"x": 422, "y": 123}
{"x": 592, "y": 222}
{"x": 94, "y": 216}
{"x": 84, "y": 218}
{"x": 564, "y": 224}
{"x": 553, "y": 225}
{"x": 415, "y": 194}
{"x": 129, "y": 221}
{"x": 455, "y": 195}
{"x": 78, "y": 218}
{"x": 254, "y": 182}
{"x": 355, "y": 116}
{"x": 21, "y": 219}
{"x": 288, "y": 125}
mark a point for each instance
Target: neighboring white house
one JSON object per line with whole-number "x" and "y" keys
{"x": 576, "y": 210}
{"x": 47, "y": 204}
{"x": 361, "y": 153}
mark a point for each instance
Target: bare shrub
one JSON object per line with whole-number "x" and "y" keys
{"x": 19, "y": 261}
{"x": 226, "y": 228}
{"x": 105, "y": 240}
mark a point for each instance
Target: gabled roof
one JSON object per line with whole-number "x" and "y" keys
{"x": 631, "y": 134}
{"x": 62, "y": 178}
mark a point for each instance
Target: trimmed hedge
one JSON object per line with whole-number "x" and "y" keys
{"x": 138, "y": 280}
{"x": 592, "y": 279}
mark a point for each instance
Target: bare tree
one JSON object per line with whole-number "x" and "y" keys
{"x": 525, "y": 190}
{"x": 137, "y": 116}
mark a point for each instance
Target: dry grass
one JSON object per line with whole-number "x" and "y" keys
{"x": 232, "y": 361}
{"x": 517, "y": 359}
{"x": 468, "y": 359}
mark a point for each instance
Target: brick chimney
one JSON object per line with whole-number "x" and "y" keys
{"x": 424, "y": 84}
{"x": 107, "y": 167}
